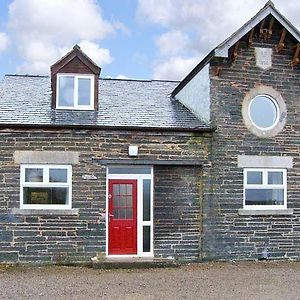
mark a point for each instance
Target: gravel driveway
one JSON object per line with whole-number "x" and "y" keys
{"x": 272, "y": 280}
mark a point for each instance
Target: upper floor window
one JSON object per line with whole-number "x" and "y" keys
{"x": 264, "y": 112}
{"x": 75, "y": 92}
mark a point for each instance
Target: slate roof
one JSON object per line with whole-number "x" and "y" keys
{"x": 26, "y": 100}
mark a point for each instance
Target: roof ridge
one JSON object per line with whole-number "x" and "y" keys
{"x": 101, "y": 78}
{"x": 270, "y": 3}
{"x": 26, "y": 75}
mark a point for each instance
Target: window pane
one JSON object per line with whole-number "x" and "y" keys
{"x": 275, "y": 178}
{"x": 146, "y": 238}
{"x": 129, "y": 201}
{"x": 50, "y": 195}
{"x": 254, "y": 177}
{"x": 116, "y": 189}
{"x": 263, "y": 111}
{"x": 122, "y": 189}
{"x": 116, "y": 201}
{"x": 122, "y": 201}
{"x": 129, "y": 189}
{"x": 58, "y": 175}
{"x": 122, "y": 213}
{"x": 129, "y": 213}
{"x": 264, "y": 196}
{"x": 66, "y": 91}
{"x": 33, "y": 175}
{"x": 84, "y": 91}
{"x": 146, "y": 199}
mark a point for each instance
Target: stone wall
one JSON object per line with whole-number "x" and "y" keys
{"x": 177, "y": 212}
{"x": 77, "y": 238}
{"x": 228, "y": 235}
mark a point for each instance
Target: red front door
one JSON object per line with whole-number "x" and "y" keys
{"x": 122, "y": 216}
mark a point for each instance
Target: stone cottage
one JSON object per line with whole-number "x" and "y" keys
{"x": 202, "y": 169}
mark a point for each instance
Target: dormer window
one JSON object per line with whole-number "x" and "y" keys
{"x": 75, "y": 92}
{"x": 74, "y": 82}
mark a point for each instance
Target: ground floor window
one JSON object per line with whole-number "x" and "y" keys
{"x": 45, "y": 186}
{"x": 265, "y": 188}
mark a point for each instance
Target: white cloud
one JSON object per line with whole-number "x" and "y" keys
{"x": 99, "y": 55}
{"x": 172, "y": 42}
{"x": 121, "y": 76}
{"x": 38, "y": 56}
{"x": 200, "y": 25}
{"x": 44, "y": 30}
{"x": 175, "y": 68}
{"x": 4, "y": 41}
{"x": 61, "y": 20}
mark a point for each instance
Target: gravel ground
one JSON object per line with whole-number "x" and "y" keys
{"x": 251, "y": 280}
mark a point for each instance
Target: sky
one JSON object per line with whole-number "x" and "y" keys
{"x": 138, "y": 39}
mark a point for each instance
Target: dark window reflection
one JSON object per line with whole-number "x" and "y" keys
{"x": 146, "y": 199}
{"x": 264, "y": 196}
{"x": 49, "y": 195}
{"x": 146, "y": 239}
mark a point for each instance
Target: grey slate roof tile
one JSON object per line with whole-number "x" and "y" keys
{"x": 125, "y": 103}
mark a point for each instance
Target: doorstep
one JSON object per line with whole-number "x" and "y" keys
{"x": 133, "y": 263}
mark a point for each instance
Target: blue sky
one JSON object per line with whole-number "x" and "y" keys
{"x": 161, "y": 39}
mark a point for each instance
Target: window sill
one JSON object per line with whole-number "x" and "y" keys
{"x": 41, "y": 212}
{"x": 265, "y": 212}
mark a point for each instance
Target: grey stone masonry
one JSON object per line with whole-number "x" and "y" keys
{"x": 228, "y": 234}
{"x": 177, "y": 212}
{"x": 80, "y": 234}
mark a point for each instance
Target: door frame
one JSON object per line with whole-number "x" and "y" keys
{"x": 130, "y": 222}
{"x": 140, "y": 222}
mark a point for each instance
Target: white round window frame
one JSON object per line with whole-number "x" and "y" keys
{"x": 279, "y": 104}
{"x": 276, "y": 107}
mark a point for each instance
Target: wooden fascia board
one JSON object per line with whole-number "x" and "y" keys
{"x": 56, "y": 67}
{"x": 222, "y": 49}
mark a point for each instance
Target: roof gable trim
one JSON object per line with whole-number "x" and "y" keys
{"x": 222, "y": 49}
{"x": 75, "y": 52}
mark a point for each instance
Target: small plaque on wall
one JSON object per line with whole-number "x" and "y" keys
{"x": 263, "y": 58}
{"x": 89, "y": 177}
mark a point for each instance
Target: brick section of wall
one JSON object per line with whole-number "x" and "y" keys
{"x": 226, "y": 234}
{"x": 76, "y": 238}
{"x": 177, "y": 212}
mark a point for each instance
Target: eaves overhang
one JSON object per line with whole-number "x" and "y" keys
{"x": 222, "y": 50}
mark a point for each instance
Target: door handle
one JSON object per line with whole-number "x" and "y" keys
{"x": 110, "y": 216}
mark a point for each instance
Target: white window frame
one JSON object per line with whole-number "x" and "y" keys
{"x": 276, "y": 107}
{"x": 76, "y": 106}
{"x": 45, "y": 184}
{"x": 265, "y": 185}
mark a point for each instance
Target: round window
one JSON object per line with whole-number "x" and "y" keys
{"x": 263, "y": 112}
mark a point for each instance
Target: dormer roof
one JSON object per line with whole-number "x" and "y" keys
{"x": 76, "y": 52}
